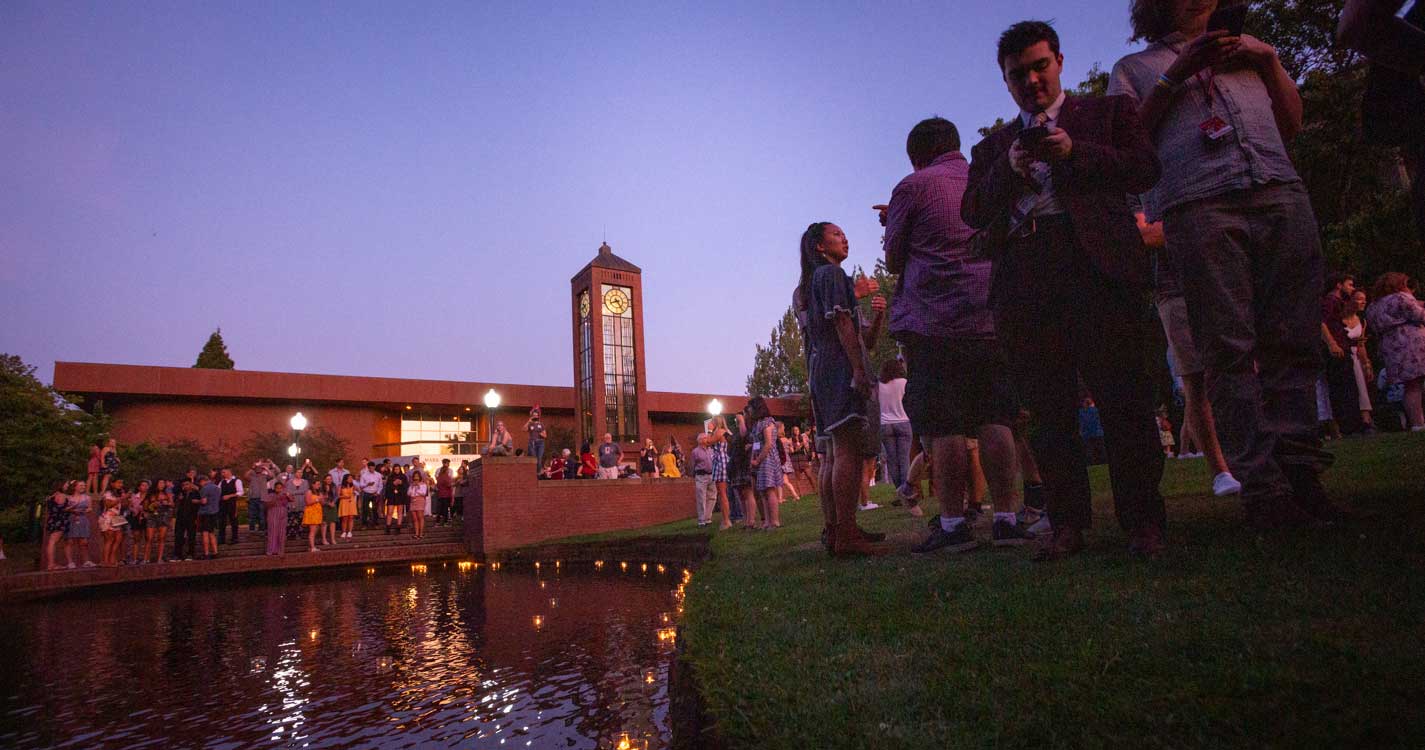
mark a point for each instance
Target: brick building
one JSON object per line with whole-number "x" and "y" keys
{"x": 396, "y": 416}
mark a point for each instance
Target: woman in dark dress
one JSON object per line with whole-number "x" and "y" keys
{"x": 836, "y": 344}
{"x": 57, "y": 523}
{"x": 648, "y": 460}
{"x": 397, "y": 499}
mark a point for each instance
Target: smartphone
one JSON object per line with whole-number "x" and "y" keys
{"x": 1229, "y": 18}
{"x": 1029, "y": 138}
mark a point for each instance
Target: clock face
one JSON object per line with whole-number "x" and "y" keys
{"x": 584, "y": 304}
{"x": 617, "y": 301}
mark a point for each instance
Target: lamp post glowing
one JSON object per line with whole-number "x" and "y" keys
{"x": 715, "y": 407}
{"x": 492, "y": 402}
{"x": 298, "y": 423}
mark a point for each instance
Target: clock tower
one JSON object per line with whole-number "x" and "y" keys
{"x": 607, "y": 304}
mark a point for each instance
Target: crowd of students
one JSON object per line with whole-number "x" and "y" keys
{"x": 200, "y": 511}
{"x": 1024, "y": 278}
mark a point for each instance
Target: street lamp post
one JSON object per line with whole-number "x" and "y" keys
{"x": 298, "y": 423}
{"x": 492, "y": 402}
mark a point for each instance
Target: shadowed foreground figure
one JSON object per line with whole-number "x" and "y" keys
{"x": 1069, "y": 283}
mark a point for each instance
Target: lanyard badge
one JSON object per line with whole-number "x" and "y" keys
{"x": 1214, "y": 128}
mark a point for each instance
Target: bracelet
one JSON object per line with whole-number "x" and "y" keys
{"x": 1165, "y": 83}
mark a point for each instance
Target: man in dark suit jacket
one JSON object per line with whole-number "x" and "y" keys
{"x": 1069, "y": 283}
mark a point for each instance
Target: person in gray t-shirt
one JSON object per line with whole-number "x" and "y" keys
{"x": 1241, "y": 232}
{"x": 609, "y": 456}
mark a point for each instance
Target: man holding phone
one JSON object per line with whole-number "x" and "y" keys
{"x": 1069, "y": 281}
{"x": 1240, "y": 230}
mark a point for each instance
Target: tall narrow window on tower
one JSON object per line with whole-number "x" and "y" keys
{"x": 586, "y": 364}
{"x": 620, "y": 375}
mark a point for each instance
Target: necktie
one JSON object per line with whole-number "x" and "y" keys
{"x": 1040, "y": 180}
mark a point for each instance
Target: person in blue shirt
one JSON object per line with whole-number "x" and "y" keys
{"x": 211, "y": 493}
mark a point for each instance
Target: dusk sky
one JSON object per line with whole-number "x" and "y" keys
{"x": 405, "y": 189}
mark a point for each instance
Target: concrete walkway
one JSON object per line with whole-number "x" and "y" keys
{"x": 247, "y": 555}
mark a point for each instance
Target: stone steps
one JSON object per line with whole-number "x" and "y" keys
{"x": 255, "y": 542}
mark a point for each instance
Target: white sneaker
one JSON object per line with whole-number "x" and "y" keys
{"x": 869, "y": 506}
{"x": 1041, "y": 527}
{"x": 89, "y": 564}
{"x": 70, "y": 566}
{"x": 1225, "y": 484}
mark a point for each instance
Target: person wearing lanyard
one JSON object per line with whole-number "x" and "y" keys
{"x": 1239, "y": 228}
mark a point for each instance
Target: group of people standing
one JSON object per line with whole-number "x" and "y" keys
{"x": 1024, "y": 276}
{"x": 1347, "y": 392}
{"x": 201, "y": 509}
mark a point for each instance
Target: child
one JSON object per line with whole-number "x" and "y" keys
{"x": 1165, "y": 434}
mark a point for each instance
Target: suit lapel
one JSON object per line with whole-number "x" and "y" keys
{"x": 1067, "y": 112}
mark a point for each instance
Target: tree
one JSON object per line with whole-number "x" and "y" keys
{"x": 149, "y": 460}
{"x": 1095, "y": 83}
{"x": 780, "y": 367}
{"x": 318, "y": 443}
{"x": 44, "y": 437}
{"x": 1358, "y": 190}
{"x": 215, "y": 354}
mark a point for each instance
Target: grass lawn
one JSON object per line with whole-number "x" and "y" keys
{"x": 1296, "y": 639}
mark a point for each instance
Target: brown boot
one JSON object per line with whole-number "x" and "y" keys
{"x": 847, "y": 540}
{"x": 1066, "y": 542}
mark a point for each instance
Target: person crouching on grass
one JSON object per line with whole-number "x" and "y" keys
{"x": 840, "y": 388}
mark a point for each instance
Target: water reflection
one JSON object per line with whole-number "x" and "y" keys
{"x": 438, "y": 655}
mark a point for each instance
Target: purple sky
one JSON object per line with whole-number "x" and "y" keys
{"x": 404, "y": 190}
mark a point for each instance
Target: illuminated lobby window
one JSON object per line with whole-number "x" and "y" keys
{"x": 424, "y": 434}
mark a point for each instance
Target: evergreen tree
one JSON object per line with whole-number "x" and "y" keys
{"x": 215, "y": 354}
{"x": 780, "y": 367}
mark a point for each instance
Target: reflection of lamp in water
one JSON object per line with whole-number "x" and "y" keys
{"x": 624, "y": 743}
{"x": 538, "y": 621}
{"x": 643, "y": 567}
{"x": 313, "y": 634}
{"x": 383, "y": 663}
{"x": 662, "y": 569}
{"x": 664, "y": 616}
{"x": 465, "y": 566}
{"x": 371, "y": 571}
{"x": 536, "y": 565}
{"x": 598, "y": 565}
{"x": 553, "y": 603}
{"x": 623, "y": 566}
{"x": 418, "y": 568}
{"x": 648, "y": 677}
{"x": 542, "y": 584}
{"x": 667, "y": 635}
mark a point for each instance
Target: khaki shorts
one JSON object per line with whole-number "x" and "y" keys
{"x": 1172, "y": 311}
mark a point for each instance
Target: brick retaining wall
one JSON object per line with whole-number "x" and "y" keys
{"x": 515, "y": 509}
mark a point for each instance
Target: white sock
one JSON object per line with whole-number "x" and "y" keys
{"x": 1008, "y": 518}
{"x": 949, "y": 524}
